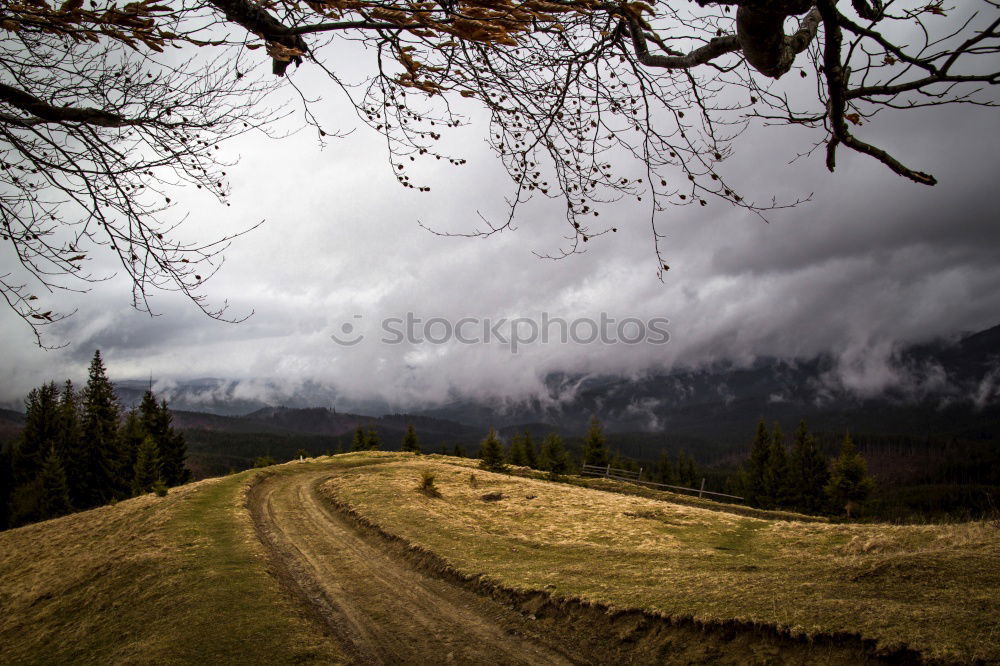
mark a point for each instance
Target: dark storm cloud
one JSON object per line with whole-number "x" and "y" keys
{"x": 872, "y": 262}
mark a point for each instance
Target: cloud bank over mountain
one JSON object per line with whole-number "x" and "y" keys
{"x": 871, "y": 263}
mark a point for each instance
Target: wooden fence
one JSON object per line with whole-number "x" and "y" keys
{"x": 630, "y": 476}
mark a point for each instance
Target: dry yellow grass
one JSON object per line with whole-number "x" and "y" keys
{"x": 179, "y": 579}
{"x": 934, "y": 588}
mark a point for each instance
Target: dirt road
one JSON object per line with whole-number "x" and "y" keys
{"x": 382, "y": 609}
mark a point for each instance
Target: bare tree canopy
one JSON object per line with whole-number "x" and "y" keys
{"x": 103, "y": 108}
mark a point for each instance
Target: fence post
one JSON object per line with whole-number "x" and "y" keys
{"x": 639, "y": 478}
{"x": 607, "y": 472}
{"x": 702, "y": 487}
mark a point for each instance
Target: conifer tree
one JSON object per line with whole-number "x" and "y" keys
{"x": 553, "y": 458}
{"x": 516, "y": 455}
{"x": 849, "y": 484}
{"x": 687, "y": 475}
{"x": 530, "y": 455}
{"x": 594, "y": 450}
{"x": 149, "y": 411}
{"x": 759, "y": 453}
{"x": 410, "y": 442}
{"x": 99, "y": 439}
{"x": 459, "y": 451}
{"x": 172, "y": 449}
{"x": 146, "y": 471}
{"x": 40, "y": 432}
{"x": 131, "y": 436}
{"x": 28, "y": 455}
{"x": 372, "y": 440}
{"x": 491, "y": 453}
{"x": 359, "y": 442}
{"x": 68, "y": 443}
{"x": 55, "y": 490}
{"x": 776, "y": 476}
{"x": 738, "y": 483}
{"x": 665, "y": 473}
{"x": 809, "y": 472}
{"x": 6, "y": 485}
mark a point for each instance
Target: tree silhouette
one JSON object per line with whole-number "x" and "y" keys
{"x": 553, "y": 458}
{"x": 809, "y": 472}
{"x": 517, "y": 453}
{"x": 359, "y": 442}
{"x": 777, "y": 478}
{"x": 372, "y": 441}
{"x": 530, "y": 453}
{"x": 594, "y": 451}
{"x": 99, "y": 450}
{"x": 491, "y": 453}
{"x": 760, "y": 450}
{"x": 55, "y": 490}
{"x": 849, "y": 484}
{"x": 147, "y": 467}
{"x": 410, "y": 442}
{"x": 588, "y": 102}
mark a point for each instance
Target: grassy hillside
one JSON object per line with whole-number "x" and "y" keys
{"x": 184, "y": 578}
{"x": 934, "y": 589}
{"x": 178, "y": 579}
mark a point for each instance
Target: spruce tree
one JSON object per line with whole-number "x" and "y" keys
{"x": 410, "y": 442}
{"x": 594, "y": 450}
{"x": 172, "y": 449}
{"x": 849, "y": 484}
{"x": 99, "y": 449}
{"x": 69, "y": 441}
{"x": 776, "y": 475}
{"x": 516, "y": 455}
{"x": 759, "y": 453}
{"x": 40, "y": 432}
{"x": 131, "y": 436}
{"x": 146, "y": 471}
{"x": 530, "y": 455}
{"x": 491, "y": 453}
{"x": 6, "y": 485}
{"x": 149, "y": 412}
{"x": 39, "y": 435}
{"x": 55, "y": 490}
{"x": 372, "y": 440}
{"x": 359, "y": 442}
{"x": 553, "y": 458}
{"x": 809, "y": 472}
{"x": 687, "y": 475}
{"x": 459, "y": 451}
{"x": 738, "y": 483}
{"x": 665, "y": 471}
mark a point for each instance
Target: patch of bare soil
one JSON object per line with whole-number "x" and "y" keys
{"x": 383, "y": 609}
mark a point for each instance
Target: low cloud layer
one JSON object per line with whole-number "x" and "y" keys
{"x": 871, "y": 263}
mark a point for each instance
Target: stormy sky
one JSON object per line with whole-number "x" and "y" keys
{"x": 873, "y": 261}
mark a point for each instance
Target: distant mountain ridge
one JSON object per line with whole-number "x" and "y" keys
{"x": 948, "y": 389}
{"x": 927, "y": 385}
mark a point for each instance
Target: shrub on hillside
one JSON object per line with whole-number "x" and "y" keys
{"x": 264, "y": 461}
{"x": 427, "y": 486}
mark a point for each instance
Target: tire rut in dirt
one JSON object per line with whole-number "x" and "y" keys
{"x": 378, "y": 605}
